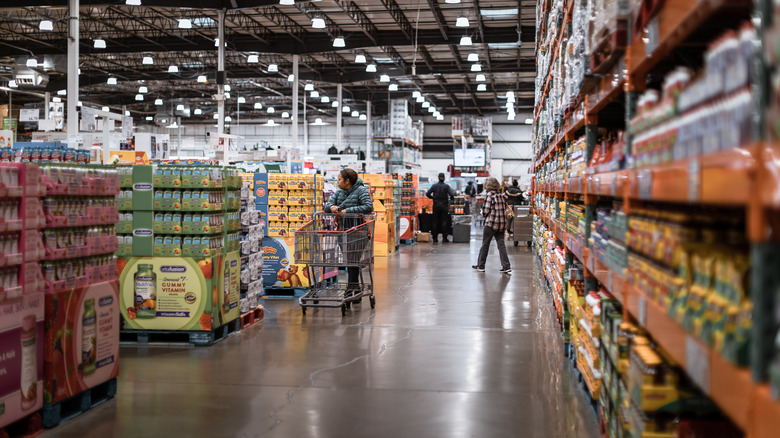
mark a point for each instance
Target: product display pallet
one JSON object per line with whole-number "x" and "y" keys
{"x": 251, "y": 317}
{"x": 172, "y": 337}
{"x": 27, "y": 427}
{"x": 55, "y": 414}
{"x": 284, "y": 292}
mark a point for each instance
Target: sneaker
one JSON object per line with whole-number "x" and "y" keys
{"x": 506, "y": 271}
{"x": 478, "y": 269}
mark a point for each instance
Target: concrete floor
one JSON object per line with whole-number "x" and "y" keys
{"x": 448, "y": 352}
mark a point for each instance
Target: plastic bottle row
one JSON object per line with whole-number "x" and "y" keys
{"x": 182, "y": 223}
{"x": 80, "y": 180}
{"x": 78, "y": 272}
{"x": 184, "y": 246}
{"x": 62, "y": 243}
{"x": 189, "y": 176}
{"x": 182, "y": 200}
{"x": 70, "y": 211}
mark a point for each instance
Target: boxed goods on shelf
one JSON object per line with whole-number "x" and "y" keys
{"x": 251, "y": 252}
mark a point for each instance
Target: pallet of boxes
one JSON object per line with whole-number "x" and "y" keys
{"x": 252, "y": 232}
{"x": 382, "y": 194}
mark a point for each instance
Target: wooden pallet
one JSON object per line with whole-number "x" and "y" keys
{"x": 178, "y": 337}
{"x": 56, "y": 413}
{"x": 609, "y": 49}
{"x": 252, "y": 317}
{"x": 27, "y": 427}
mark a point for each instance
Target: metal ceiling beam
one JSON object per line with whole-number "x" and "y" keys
{"x": 481, "y": 28}
{"x": 352, "y": 10}
{"x": 289, "y": 25}
{"x": 194, "y": 4}
{"x": 399, "y": 17}
{"x": 434, "y": 5}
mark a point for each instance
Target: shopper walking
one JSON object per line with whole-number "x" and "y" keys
{"x": 471, "y": 193}
{"x": 494, "y": 212}
{"x": 441, "y": 194}
{"x": 514, "y": 196}
{"x": 351, "y": 197}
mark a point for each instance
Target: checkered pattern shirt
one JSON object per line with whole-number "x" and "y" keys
{"x": 494, "y": 211}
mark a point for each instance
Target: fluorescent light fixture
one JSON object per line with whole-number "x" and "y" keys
{"x": 473, "y": 57}
{"x": 32, "y": 63}
{"x": 133, "y": 2}
{"x": 482, "y": 87}
{"x": 202, "y": 79}
{"x": 56, "y": 99}
{"x": 465, "y": 41}
{"x": 420, "y": 99}
{"x": 452, "y": 2}
{"x": 173, "y": 69}
{"x": 59, "y": 92}
{"x": 416, "y": 94}
{"x": 149, "y": 118}
{"x": 363, "y": 117}
{"x": 325, "y": 99}
{"x": 339, "y": 42}
{"x": 529, "y": 121}
{"x": 227, "y": 88}
{"x": 46, "y": 26}
{"x": 315, "y": 94}
{"x": 197, "y": 111}
{"x": 143, "y": 89}
{"x": 111, "y": 81}
{"x": 287, "y": 2}
{"x": 285, "y": 115}
{"x": 384, "y": 78}
{"x": 291, "y": 78}
{"x": 510, "y": 12}
{"x": 335, "y": 104}
{"x": 242, "y": 99}
{"x": 258, "y": 105}
{"x": 462, "y": 22}
{"x": 308, "y": 87}
{"x": 271, "y": 110}
{"x": 355, "y": 114}
{"x": 393, "y": 87}
{"x": 360, "y": 58}
{"x": 180, "y": 107}
{"x": 147, "y": 60}
{"x": 185, "y": 23}
{"x": 139, "y": 97}
{"x": 273, "y": 68}
{"x": 503, "y": 46}
{"x": 426, "y": 104}
{"x": 271, "y": 123}
{"x": 158, "y": 102}
{"x": 476, "y": 67}
{"x": 345, "y": 109}
{"x": 227, "y": 95}
{"x": 481, "y": 78}
{"x": 105, "y": 109}
{"x": 228, "y": 119}
{"x": 252, "y": 59}
{"x": 371, "y": 68}
{"x": 318, "y": 23}
{"x": 215, "y": 116}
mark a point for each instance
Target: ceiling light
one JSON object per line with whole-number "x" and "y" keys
{"x": 242, "y": 99}
{"x": 285, "y": 115}
{"x": 185, "y": 23}
{"x": 180, "y": 107}
{"x": 436, "y": 114}
{"x": 371, "y": 68}
{"x": 149, "y": 118}
{"x": 291, "y": 78}
{"x": 56, "y": 99}
{"x": 482, "y": 87}
{"x": 363, "y": 117}
{"x": 111, "y": 81}
{"x": 335, "y": 104}
{"x": 355, "y": 114}
{"x": 271, "y": 123}
{"x": 509, "y": 105}
{"x": 143, "y": 89}
{"x": 173, "y": 69}
{"x": 80, "y": 104}
{"x": 227, "y": 95}
{"x": 273, "y": 68}
{"x": 510, "y": 99}
{"x": 339, "y": 42}
{"x": 465, "y": 41}
{"x": 440, "y": 117}
{"x": 59, "y": 92}
{"x": 318, "y": 23}
{"x": 473, "y": 57}
{"x": 215, "y": 116}
{"x": 431, "y": 110}
{"x": 476, "y": 67}
{"x": 345, "y": 109}
{"x": 46, "y": 26}
{"x": 202, "y": 79}
{"x": 258, "y": 105}
{"x": 147, "y": 60}
{"x": 197, "y": 111}
{"x": 227, "y": 88}
{"x": 133, "y": 2}
{"x": 384, "y": 78}
{"x": 315, "y": 94}
{"x": 481, "y": 78}
{"x": 510, "y": 12}
{"x": 360, "y": 58}
{"x": 420, "y": 99}
{"x": 510, "y": 116}
{"x": 32, "y": 63}
{"x": 216, "y": 42}
{"x": 510, "y": 94}
{"x": 426, "y": 104}
{"x": 228, "y": 119}
{"x": 325, "y": 99}
{"x": 287, "y": 2}
{"x": 252, "y": 59}
{"x": 318, "y": 121}
{"x": 452, "y": 2}
{"x": 158, "y": 102}
{"x": 392, "y": 87}
{"x": 308, "y": 87}
{"x": 105, "y": 109}
{"x": 462, "y": 22}
{"x": 529, "y": 121}
{"x": 127, "y": 113}
{"x": 416, "y": 94}
{"x": 271, "y": 110}
{"x": 139, "y": 97}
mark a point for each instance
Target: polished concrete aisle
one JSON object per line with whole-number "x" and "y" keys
{"x": 448, "y": 352}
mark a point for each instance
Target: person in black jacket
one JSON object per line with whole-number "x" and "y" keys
{"x": 514, "y": 196}
{"x": 441, "y": 194}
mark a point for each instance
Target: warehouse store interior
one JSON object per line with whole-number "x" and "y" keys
{"x": 543, "y": 218}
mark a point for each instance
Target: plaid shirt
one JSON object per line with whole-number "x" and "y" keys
{"x": 494, "y": 211}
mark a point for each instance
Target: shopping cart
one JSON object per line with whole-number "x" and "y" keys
{"x": 340, "y": 240}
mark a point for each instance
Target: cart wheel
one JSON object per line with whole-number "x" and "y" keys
{"x": 343, "y": 310}
{"x": 373, "y": 301}
{"x": 303, "y": 309}
{"x": 516, "y": 242}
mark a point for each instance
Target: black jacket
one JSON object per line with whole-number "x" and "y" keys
{"x": 471, "y": 190}
{"x": 514, "y": 196}
{"x": 441, "y": 193}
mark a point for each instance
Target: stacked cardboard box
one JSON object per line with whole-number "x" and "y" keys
{"x": 252, "y": 233}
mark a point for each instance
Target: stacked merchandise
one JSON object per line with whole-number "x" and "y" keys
{"x": 382, "y": 189}
{"x": 21, "y": 293}
{"x": 44, "y": 152}
{"x": 614, "y": 341}
{"x": 252, "y": 233}
{"x": 180, "y": 237}
{"x": 80, "y": 274}
{"x": 458, "y": 205}
{"x": 408, "y": 210}
{"x": 608, "y": 238}
{"x": 576, "y": 153}
{"x": 574, "y": 218}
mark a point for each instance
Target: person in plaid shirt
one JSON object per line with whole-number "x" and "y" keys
{"x": 494, "y": 212}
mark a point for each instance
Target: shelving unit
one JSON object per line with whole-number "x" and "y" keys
{"x": 744, "y": 178}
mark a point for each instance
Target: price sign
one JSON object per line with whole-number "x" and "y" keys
{"x": 651, "y": 36}
{"x": 694, "y": 180}
{"x": 29, "y": 115}
{"x": 645, "y": 181}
